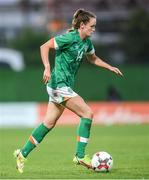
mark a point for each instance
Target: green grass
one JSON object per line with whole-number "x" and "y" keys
{"x": 129, "y": 146}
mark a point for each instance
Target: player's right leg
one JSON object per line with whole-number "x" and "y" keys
{"x": 54, "y": 111}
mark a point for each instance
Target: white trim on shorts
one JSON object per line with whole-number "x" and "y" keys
{"x": 60, "y": 94}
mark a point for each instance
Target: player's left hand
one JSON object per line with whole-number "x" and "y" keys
{"x": 116, "y": 70}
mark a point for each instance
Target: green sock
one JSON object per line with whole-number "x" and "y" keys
{"x": 83, "y": 134}
{"x": 36, "y": 137}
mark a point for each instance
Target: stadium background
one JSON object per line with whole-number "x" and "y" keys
{"x": 121, "y": 39}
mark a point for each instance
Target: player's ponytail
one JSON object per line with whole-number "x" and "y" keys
{"x": 81, "y": 16}
{"x": 76, "y": 14}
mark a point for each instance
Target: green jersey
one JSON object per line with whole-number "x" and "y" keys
{"x": 70, "y": 49}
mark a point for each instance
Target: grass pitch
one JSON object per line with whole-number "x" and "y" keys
{"x": 129, "y": 146}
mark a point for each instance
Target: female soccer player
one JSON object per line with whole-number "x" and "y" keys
{"x": 70, "y": 48}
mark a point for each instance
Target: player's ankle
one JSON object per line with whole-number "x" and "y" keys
{"x": 80, "y": 156}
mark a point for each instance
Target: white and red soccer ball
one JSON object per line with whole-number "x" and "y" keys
{"x": 102, "y": 161}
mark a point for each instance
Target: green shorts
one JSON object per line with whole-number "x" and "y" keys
{"x": 60, "y": 94}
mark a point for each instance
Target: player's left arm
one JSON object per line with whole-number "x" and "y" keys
{"x": 93, "y": 59}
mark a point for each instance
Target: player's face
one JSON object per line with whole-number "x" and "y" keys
{"x": 89, "y": 28}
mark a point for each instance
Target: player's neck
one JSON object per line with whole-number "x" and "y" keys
{"x": 82, "y": 35}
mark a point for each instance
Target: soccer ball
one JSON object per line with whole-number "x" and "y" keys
{"x": 102, "y": 161}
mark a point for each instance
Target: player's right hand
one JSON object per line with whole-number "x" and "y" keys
{"x": 46, "y": 75}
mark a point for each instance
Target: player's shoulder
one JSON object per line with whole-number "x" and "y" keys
{"x": 88, "y": 40}
{"x": 72, "y": 35}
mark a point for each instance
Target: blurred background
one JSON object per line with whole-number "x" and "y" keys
{"x": 121, "y": 39}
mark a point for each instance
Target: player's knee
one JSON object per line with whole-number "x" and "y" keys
{"x": 88, "y": 114}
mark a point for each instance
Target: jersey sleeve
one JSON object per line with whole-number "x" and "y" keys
{"x": 62, "y": 41}
{"x": 90, "y": 49}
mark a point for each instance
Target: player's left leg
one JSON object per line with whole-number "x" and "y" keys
{"x": 79, "y": 107}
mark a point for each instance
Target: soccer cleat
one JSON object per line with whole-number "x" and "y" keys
{"x": 20, "y": 159}
{"x": 86, "y": 161}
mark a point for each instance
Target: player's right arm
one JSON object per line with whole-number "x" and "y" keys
{"x": 58, "y": 42}
{"x": 44, "y": 51}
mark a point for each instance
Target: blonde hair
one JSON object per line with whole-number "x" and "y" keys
{"x": 81, "y": 16}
